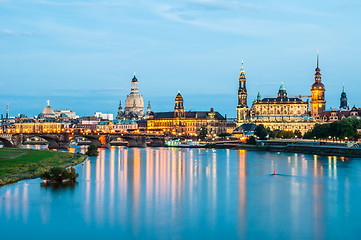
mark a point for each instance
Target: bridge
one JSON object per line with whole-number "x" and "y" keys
{"x": 62, "y": 140}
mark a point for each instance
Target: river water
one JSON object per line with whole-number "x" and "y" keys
{"x": 170, "y": 193}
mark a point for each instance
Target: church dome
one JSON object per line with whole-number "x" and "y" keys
{"x": 318, "y": 86}
{"x": 48, "y": 112}
{"x": 134, "y": 104}
{"x": 134, "y": 99}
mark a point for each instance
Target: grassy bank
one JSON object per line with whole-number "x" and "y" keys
{"x": 17, "y": 164}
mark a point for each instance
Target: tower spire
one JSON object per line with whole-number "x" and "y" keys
{"x": 318, "y": 65}
{"x": 242, "y": 69}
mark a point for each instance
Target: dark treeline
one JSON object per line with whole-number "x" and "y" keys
{"x": 346, "y": 128}
{"x": 263, "y": 133}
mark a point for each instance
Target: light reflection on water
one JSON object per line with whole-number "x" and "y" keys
{"x": 191, "y": 193}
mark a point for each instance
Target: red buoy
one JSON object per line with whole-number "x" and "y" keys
{"x": 274, "y": 172}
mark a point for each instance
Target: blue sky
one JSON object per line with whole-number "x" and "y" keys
{"x": 82, "y": 54}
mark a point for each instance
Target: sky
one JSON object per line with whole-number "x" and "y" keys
{"x": 81, "y": 55}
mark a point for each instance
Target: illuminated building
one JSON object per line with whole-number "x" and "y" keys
{"x": 189, "y": 123}
{"x": 134, "y": 104}
{"x": 116, "y": 126}
{"x": 282, "y": 113}
{"x": 46, "y": 122}
{"x": 344, "y": 112}
{"x": 318, "y": 102}
{"x": 281, "y": 108}
{"x": 242, "y": 108}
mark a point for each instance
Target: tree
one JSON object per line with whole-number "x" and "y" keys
{"x": 261, "y": 132}
{"x": 92, "y": 150}
{"x": 203, "y": 133}
{"x": 59, "y": 174}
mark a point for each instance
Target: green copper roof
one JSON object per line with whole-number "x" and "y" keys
{"x": 282, "y": 87}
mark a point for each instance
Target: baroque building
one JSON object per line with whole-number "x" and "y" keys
{"x": 242, "y": 107}
{"x": 281, "y": 108}
{"x": 134, "y": 104}
{"x": 188, "y": 123}
{"x": 318, "y": 102}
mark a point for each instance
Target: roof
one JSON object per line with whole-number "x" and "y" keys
{"x": 281, "y": 100}
{"x": 134, "y": 79}
{"x": 189, "y": 114}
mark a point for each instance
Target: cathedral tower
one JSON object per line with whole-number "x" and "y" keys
{"x": 242, "y": 108}
{"x": 179, "y": 108}
{"x": 343, "y": 99}
{"x": 318, "y": 102}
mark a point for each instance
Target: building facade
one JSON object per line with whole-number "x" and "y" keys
{"x": 187, "y": 123}
{"x": 117, "y": 126}
{"x": 281, "y": 108}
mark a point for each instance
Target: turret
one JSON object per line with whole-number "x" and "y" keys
{"x": 343, "y": 99}
{"x": 178, "y": 107}
{"x": 282, "y": 92}
{"x": 120, "y": 110}
{"x": 149, "y": 110}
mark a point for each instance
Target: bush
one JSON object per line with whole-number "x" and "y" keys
{"x": 251, "y": 140}
{"x": 59, "y": 174}
{"x": 92, "y": 150}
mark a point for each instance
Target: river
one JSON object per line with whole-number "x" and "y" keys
{"x": 171, "y": 193}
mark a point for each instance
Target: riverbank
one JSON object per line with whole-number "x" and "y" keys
{"x": 17, "y": 164}
{"x": 313, "y": 149}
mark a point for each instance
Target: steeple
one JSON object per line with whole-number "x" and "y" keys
{"x": 120, "y": 110}
{"x": 242, "y": 69}
{"x": 318, "y": 103}
{"x": 318, "y": 70}
{"x": 259, "y": 97}
{"x": 343, "y": 99}
{"x": 148, "y": 108}
{"x": 242, "y": 108}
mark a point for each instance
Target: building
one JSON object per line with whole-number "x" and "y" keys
{"x": 117, "y": 126}
{"x": 134, "y": 104}
{"x": 104, "y": 116}
{"x": 46, "y": 122}
{"x": 242, "y": 107}
{"x": 181, "y": 122}
{"x": 66, "y": 113}
{"x": 318, "y": 102}
{"x": 344, "y": 111}
{"x": 281, "y": 108}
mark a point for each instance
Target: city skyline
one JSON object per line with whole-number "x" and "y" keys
{"x": 81, "y": 55}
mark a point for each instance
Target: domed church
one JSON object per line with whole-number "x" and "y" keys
{"x": 134, "y": 104}
{"x": 48, "y": 112}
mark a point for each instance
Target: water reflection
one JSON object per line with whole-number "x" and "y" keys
{"x": 195, "y": 193}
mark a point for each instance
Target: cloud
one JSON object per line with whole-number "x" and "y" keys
{"x": 216, "y": 5}
{"x": 8, "y": 32}
{"x": 65, "y": 3}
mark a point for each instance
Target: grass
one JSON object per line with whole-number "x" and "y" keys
{"x": 18, "y": 164}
